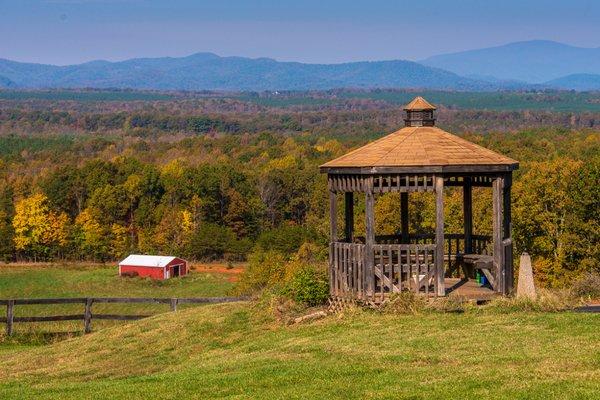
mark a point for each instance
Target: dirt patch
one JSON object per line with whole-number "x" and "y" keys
{"x": 232, "y": 272}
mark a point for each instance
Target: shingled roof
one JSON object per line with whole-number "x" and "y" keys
{"x": 419, "y": 149}
{"x": 419, "y": 104}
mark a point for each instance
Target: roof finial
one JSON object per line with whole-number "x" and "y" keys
{"x": 419, "y": 112}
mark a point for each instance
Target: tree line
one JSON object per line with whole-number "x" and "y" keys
{"x": 232, "y": 188}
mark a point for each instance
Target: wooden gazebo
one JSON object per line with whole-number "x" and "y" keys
{"x": 418, "y": 158}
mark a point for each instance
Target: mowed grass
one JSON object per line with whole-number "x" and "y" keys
{"x": 235, "y": 351}
{"x": 90, "y": 281}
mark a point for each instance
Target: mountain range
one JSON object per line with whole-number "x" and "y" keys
{"x": 523, "y": 65}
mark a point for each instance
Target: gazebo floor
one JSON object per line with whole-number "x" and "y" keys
{"x": 469, "y": 289}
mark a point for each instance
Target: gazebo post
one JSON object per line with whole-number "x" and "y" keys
{"x": 332, "y": 239}
{"x": 369, "y": 237}
{"x": 349, "y": 217}
{"x": 468, "y": 214}
{"x": 404, "y": 217}
{"x": 498, "y": 188}
{"x": 507, "y": 235}
{"x": 440, "y": 288}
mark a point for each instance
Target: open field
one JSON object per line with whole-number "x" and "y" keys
{"x": 237, "y": 351}
{"x": 76, "y": 280}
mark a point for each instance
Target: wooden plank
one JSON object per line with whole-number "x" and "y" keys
{"x": 507, "y": 235}
{"x": 369, "y": 238}
{"x": 404, "y": 216}
{"x": 50, "y": 301}
{"x": 87, "y": 316}
{"x": 117, "y": 317}
{"x": 497, "y": 233}
{"x": 210, "y": 300}
{"x": 10, "y": 315}
{"x": 439, "y": 236}
{"x": 332, "y": 217}
{"x": 468, "y": 214}
{"x": 47, "y": 318}
{"x": 159, "y": 300}
{"x": 349, "y": 217}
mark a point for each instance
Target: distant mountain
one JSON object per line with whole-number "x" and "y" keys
{"x": 576, "y": 82}
{"x": 208, "y": 71}
{"x": 6, "y": 83}
{"x": 534, "y": 61}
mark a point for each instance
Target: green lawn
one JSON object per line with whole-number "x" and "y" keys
{"x": 90, "y": 281}
{"x": 235, "y": 351}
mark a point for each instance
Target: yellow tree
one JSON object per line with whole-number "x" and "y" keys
{"x": 39, "y": 230}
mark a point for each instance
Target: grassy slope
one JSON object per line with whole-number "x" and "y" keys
{"x": 76, "y": 281}
{"x": 83, "y": 281}
{"x": 230, "y": 351}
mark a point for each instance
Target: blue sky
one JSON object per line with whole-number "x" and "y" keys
{"x": 72, "y": 31}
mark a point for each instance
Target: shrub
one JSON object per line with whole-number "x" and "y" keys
{"x": 588, "y": 286}
{"x": 286, "y": 239}
{"x": 212, "y": 242}
{"x": 265, "y": 269}
{"x": 406, "y": 302}
{"x": 308, "y": 285}
{"x": 546, "y": 301}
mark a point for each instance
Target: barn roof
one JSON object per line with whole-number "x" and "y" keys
{"x": 147, "y": 261}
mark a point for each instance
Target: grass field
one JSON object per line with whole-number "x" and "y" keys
{"x": 235, "y": 351}
{"x": 93, "y": 281}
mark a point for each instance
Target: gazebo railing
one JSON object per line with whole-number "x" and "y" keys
{"x": 347, "y": 270}
{"x": 399, "y": 267}
{"x": 396, "y": 267}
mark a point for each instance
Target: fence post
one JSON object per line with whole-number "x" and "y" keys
{"x": 10, "y": 315}
{"x": 174, "y": 304}
{"x": 87, "y": 316}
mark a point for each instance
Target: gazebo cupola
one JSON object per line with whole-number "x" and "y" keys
{"x": 418, "y": 158}
{"x": 419, "y": 112}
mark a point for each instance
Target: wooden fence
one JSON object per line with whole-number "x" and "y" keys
{"x": 87, "y": 315}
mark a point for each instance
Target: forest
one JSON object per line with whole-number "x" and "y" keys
{"x": 233, "y": 178}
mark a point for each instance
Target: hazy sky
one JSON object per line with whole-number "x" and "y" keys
{"x": 72, "y": 31}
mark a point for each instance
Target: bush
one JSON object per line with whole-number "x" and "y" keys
{"x": 308, "y": 285}
{"x": 588, "y": 286}
{"x": 213, "y": 242}
{"x": 546, "y": 301}
{"x": 407, "y": 302}
{"x": 286, "y": 239}
{"x": 265, "y": 269}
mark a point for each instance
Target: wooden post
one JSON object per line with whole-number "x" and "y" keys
{"x": 174, "y": 304}
{"x": 404, "y": 216}
{"x": 349, "y": 217}
{"x": 507, "y": 235}
{"x": 332, "y": 240}
{"x": 468, "y": 214}
{"x": 10, "y": 316}
{"x": 332, "y": 216}
{"x": 440, "y": 289}
{"x": 369, "y": 237}
{"x": 87, "y": 316}
{"x": 497, "y": 234}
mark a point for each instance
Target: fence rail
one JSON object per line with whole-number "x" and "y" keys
{"x": 87, "y": 314}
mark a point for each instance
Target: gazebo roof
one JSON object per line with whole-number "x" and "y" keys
{"x": 421, "y": 149}
{"x": 419, "y": 104}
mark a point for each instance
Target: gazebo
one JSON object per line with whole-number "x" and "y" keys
{"x": 418, "y": 158}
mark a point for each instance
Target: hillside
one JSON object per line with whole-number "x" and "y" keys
{"x": 577, "y": 82}
{"x": 535, "y": 61}
{"x": 208, "y": 71}
{"x": 236, "y": 351}
{"x": 6, "y": 83}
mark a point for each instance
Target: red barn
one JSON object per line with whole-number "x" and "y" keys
{"x": 155, "y": 267}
